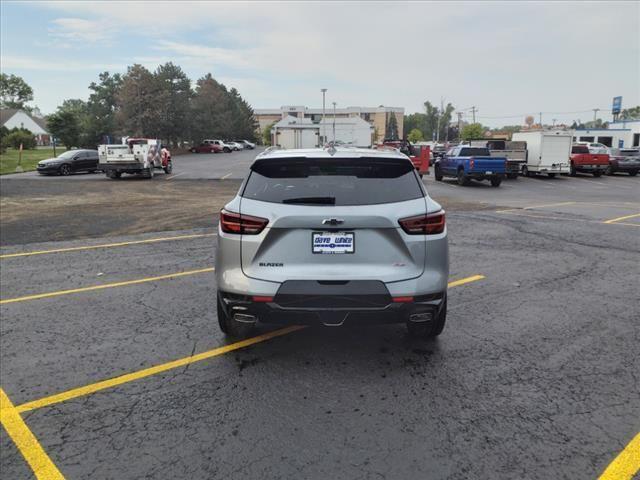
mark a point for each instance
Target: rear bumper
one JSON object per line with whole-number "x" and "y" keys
{"x": 625, "y": 167}
{"x": 590, "y": 168}
{"x": 331, "y": 304}
{"x": 121, "y": 167}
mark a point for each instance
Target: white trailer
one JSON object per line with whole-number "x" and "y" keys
{"x": 548, "y": 151}
{"x": 134, "y": 156}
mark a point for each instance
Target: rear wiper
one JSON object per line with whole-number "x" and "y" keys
{"x": 313, "y": 200}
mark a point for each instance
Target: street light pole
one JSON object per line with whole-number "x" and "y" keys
{"x": 324, "y": 128}
{"x": 334, "y": 122}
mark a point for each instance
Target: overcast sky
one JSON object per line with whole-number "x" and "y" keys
{"x": 508, "y": 59}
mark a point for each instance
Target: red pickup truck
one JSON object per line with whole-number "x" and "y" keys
{"x": 583, "y": 161}
{"x": 420, "y": 155}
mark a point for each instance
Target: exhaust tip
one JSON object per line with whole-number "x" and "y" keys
{"x": 421, "y": 317}
{"x": 244, "y": 318}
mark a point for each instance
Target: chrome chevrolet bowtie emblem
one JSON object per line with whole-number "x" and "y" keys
{"x": 332, "y": 221}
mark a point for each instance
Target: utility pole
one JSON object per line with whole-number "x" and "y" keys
{"x": 595, "y": 113}
{"x": 440, "y": 114}
{"x": 554, "y": 121}
{"x": 324, "y": 128}
{"x": 473, "y": 112}
{"x": 334, "y": 123}
{"x": 540, "y": 120}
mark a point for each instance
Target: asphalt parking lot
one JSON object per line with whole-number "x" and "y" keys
{"x": 113, "y": 365}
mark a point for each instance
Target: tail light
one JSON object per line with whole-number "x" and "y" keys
{"x": 471, "y": 163}
{"x": 429, "y": 224}
{"x": 241, "y": 224}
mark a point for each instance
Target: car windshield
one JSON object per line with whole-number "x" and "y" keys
{"x": 68, "y": 154}
{"x": 335, "y": 181}
{"x": 629, "y": 153}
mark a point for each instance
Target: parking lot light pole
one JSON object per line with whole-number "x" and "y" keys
{"x": 334, "y": 122}
{"x": 324, "y": 128}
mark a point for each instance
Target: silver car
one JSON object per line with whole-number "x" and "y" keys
{"x": 332, "y": 237}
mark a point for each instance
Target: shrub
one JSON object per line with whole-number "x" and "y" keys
{"x": 17, "y": 137}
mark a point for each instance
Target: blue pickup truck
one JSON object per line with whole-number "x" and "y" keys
{"x": 471, "y": 163}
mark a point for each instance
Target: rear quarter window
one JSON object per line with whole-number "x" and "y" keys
{"x": 335, "y": 181}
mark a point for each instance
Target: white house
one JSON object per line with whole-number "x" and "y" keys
{"x": 13, "y": 118}
{"x": 295, "y": 132}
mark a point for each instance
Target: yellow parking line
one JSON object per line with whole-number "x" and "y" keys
{"x": 129, "y": 377}
{"x": 626, "y": 464}
{"x": 25, "y": 440}
{"x": 107, "y": 245}
{"x": 106, "y": 285}
{"x": 226, "y": 176}
{"x": 619, "y": 219}
{"x": 462, "y": 281}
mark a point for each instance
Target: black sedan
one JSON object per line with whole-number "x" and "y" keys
{"x": 69, "y": 162}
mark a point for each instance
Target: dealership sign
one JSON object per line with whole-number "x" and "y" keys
{"x": 617, "y": 105}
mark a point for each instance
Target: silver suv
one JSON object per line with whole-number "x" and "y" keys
{"x": 332, "y": 237}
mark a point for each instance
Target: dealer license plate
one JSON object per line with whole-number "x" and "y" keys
{"x": 333, "y": 242}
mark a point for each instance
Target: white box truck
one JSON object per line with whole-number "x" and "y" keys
{"x": 548, "y": 151}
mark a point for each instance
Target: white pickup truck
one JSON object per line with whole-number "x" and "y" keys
{"x": 134, "y": 156}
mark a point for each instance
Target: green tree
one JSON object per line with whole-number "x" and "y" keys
{"x": 173, "y": 98}
{"x": 266, "y": 134}
{"x": 138, "y": 104}
{"x": 101, "y": 108}
{"x": 473, "y": 130}
{"x": 65, "y": 125}
{"x": 14, "y": 92}
{"x": 391, "y": 131}
{"x": 630, "y": 113}
{"x": 415, "y": 135}
{"x": 19, "y": 136}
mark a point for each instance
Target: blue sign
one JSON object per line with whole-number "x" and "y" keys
{"x": 617, "y": 105}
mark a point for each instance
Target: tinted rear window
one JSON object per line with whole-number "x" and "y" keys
{"x": 579, "y": 149}
{"x": 334, "y": 181}
{"x": 474, "y": 152}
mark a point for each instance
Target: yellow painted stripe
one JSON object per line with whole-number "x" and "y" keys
{"x": 129, "y": 377}
{"x": 462, "y": 281}
{"x": 619, "y": 219}
{"x": 107, "y": 245}
{"x": 95, "y": 387}
{"x": 25, "y": 440}
{"x": 536, "y": 206}
{"x": 106, "y": 285}
{"x": 626, "y": 464}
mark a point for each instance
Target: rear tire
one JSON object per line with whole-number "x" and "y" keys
{"x": 148, "y": 172}
{"x": 525, "y": 171}
{"x": 633, "y": 173}
{"x": 496, "y": 181}
{"x": 169, "y": 168}
{"x": 463, "y": 180}
{"x": 438, "y": 173}
{"x": 572, "y": 170}
{"x": 229, "y": 326}
{"x": 227, "y": 150}
{"x": 551, "y": 175}
{"x": 113, "y": 174}
{"x": 597, "y": 173}
{"x": 609, "y": 171}
{"x": 512, "y": 176}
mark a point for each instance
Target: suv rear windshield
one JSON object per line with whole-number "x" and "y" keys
{"x": 334, "y": 181}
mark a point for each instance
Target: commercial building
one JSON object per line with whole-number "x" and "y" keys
{"x": 377, "y": 117}
{"x": 295, "y": 132}
{"x": 622, "y": 133}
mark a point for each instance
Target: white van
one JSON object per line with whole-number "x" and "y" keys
{"x": 548, "y": 151}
